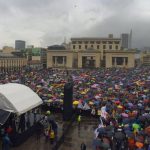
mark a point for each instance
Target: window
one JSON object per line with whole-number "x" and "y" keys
{"x": 110, "y": 46}
{"x": 98, "y": 42}
{"x": 86, "y": 42}
{"x": 110, "y": 42}
{"x": 73, "y": 42}
{"x": 119, "y": 60}
{"x": 97, "y": 46}
{"x": 104, "y": 42}
{"x": 74, "y": 47}
{"x": 92, "y": 42}
{"x": 117, "y": 42}
{"x": 104, "y": 46}
{"x": 85, "y": 46}
{"x": 92, "y": 46}
{"x": 79, "y": 46}
{"x": 80, "y": 42}
{"x": 116, "y": 46}
{"x": 59, "y": 59}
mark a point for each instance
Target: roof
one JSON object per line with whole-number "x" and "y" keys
{"x": 18, "y": 98}
{"x": 94, "y": 38}
{"x": 56, "y": 47}
{"x": 6, "y": 55}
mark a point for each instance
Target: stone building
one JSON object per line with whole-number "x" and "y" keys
{"x": 9, "y": 62}
{"x": 145, "y": 58}
{"x": 89, "y": 52}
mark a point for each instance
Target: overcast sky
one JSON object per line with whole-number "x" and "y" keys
{"x": 46, "y": 22}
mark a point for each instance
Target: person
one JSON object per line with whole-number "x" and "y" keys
{"x": 6, "y": 142}
{"x": 52, "y": 136}
{"x": 83, "y": 146}
{"x": 39, "y": 130}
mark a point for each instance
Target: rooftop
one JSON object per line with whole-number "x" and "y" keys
{"x": 6, "y": 55}
{"x": 94, "y": 38}
{"x": 56, "y": 47}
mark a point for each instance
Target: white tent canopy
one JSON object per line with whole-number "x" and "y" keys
{"x": 18, "y": 98}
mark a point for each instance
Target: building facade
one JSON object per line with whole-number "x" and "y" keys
{"x": 7, "y": 49}
{"x": 9, "y": 62}
{"x": 145, "y": 58}
{"x": 59, "y": 56}
{"x": 37, "y": 55}
{"x": 90, "y": 53}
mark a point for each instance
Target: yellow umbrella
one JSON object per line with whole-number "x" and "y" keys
{"x": 61, "y": 101}
{"x": 91, "y": 103}
{"x": 61, "y": 94}
{"x": 146, "y": 91}
{"x": 75, "y": 102}
{"x": 50, "y": 100}
{"x": 119, "y": 106}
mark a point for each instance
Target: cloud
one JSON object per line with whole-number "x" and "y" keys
{"x": 47, "y": 22}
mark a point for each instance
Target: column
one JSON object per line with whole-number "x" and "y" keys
{"x": 124, "y": 61}
{"x": 115, "y": 63}
{"x": 79, "y": 61}
{"x": 97, "y": 59}
{"x": 55, "y": 60}
{"x": 63, "y": 60}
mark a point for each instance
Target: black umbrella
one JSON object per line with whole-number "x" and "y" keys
{"x": 101, "y": 130}
{"x": 97, "y": 142}
{"x": 119, "y": 135}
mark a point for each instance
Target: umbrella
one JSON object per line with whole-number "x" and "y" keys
{"x": 91, "y": 103}
{"x": 101, "y": 130}
{"x": 97, "y": 142}
{"x": 147, "y": 130}
{"x": 38, "y": 86}
{"x": 117, "y": 102}
{"x": 119, "y": 106}
{"x": 75, "y": 102}
{"x": 139, "y": 144}
{"x": 119, "y": 135}
{"x": 124, "y": 115}
{"x": 130, "y": 104}
{"x": 136, "y": 126}
{"x": 49, "y": 101}
{"x": 61, "y": 94}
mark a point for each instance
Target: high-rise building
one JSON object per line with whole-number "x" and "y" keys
{"x": 20, "y": 45}
{"x": 125, "y": 41}
{"x": 130, "y": 40}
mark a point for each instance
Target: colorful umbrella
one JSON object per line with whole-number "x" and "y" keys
{"x": 75, "y": 102}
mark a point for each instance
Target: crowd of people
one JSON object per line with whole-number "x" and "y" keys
{"x": 120, "y": 98}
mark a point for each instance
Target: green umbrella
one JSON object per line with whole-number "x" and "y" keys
{"x": 136, "y": 126}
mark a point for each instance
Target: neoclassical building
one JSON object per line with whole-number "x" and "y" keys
{"x": 9, "y": 62}
{"x": 145, "y": 58}
{"x": 89, "y": 52}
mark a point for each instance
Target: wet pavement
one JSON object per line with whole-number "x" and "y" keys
{"x": 76, "y": 135}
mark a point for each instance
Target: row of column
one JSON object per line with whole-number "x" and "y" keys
{"x": 97, "y": 61}
{"x": 56, "y": 63}
{"x": 115, "y": 61}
